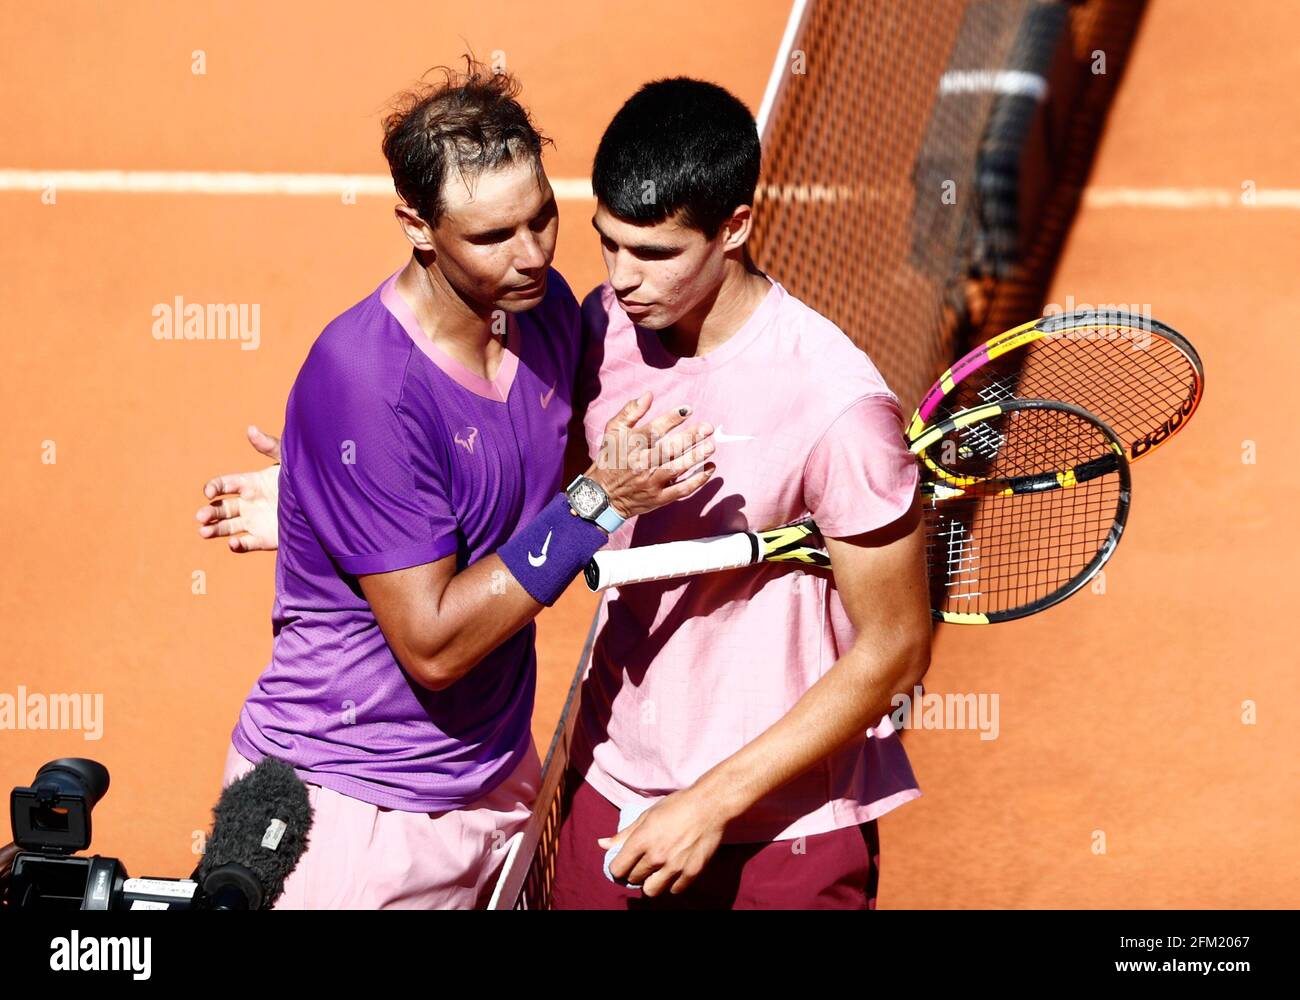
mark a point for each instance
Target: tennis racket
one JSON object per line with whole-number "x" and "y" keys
{"x": 1137, "y": 375}
{"x": 1011, "y": 528}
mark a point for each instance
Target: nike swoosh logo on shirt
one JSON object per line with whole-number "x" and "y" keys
{"x": 536, "y": 561}
{"x": 719, "y": 436}
{"x": 546, "y": 397}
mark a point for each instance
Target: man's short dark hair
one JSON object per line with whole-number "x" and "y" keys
{"x": 678, "y": 144}
{"x": 470, "y": 122}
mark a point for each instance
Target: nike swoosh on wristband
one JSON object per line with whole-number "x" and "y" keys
{"x": 536, "y": 561}
{"x": 724, "y": 438}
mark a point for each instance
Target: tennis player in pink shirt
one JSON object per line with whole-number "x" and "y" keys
{"x": 741, "y": 717}
{"x": 733, "y": 748}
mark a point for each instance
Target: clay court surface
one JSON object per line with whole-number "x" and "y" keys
{"x": 1147, "y": 745}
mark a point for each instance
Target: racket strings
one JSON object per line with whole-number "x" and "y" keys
{"x": 997, "y": 554}
{"x": 1131, "y": 386}
{"x": 986, "y": 569}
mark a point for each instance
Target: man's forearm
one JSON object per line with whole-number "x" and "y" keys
{"x": 852, "y": 696}
{"x": 480, "y": 608}
{"x": 447, "y": 631}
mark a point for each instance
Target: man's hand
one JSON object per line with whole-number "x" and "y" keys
{"x": 638, "y": 466}
{"x": 669, "y": 844}
{"x": 244, "y": 504}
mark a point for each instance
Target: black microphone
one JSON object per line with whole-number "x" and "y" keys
{"x": 259, "y": 832}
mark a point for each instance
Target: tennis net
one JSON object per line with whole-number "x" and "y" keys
{"x": 528, "y": 873}
{"x": 869, "y": 204}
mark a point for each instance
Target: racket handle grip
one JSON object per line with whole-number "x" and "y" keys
{"x": 670, "y": 560}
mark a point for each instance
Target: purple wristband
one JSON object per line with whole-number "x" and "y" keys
{"x": 553, "y": 548}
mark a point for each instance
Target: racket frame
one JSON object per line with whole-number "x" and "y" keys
{"x": 1058, "y": 324}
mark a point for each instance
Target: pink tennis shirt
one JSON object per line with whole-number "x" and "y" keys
{"x": 684, "y": 673}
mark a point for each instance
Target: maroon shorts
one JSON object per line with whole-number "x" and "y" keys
{"x": 839, "y": 870}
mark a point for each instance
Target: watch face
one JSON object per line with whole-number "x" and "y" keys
{"x": 587, "y": 498}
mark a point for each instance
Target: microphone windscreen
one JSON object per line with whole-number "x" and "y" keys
{"x": 261, "y": 822}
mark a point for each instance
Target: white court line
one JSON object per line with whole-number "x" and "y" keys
{"x": 780, "y": 67}
{"x": 566, "y": 188}
{"x": 230, "y": 183}
{"x": 1189, "y": 198}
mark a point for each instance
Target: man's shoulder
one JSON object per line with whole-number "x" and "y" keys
{"x": 601, "y": 297}
{"x": 602, "y": 315}
{"x": 814, "y": 327}
{"x": 362, "y": 353}
{"x": 833, "y": 362}
{"x": 598, "y": 305}
{"x": 556, "y": 316}
{"x": 357, "y": 323}
{"x": 558, "y": 292}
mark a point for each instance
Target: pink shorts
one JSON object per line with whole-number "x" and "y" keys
{"x": 365, "y": 857}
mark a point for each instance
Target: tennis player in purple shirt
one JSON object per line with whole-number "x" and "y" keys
{"x": 424, "y": 522}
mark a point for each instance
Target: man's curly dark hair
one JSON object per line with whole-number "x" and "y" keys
{"x": 471, "y": 121}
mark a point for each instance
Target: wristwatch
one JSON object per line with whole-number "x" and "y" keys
{"x": 590, "y": 501}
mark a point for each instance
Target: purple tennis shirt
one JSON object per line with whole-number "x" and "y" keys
{"x": 393, "y": 455}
